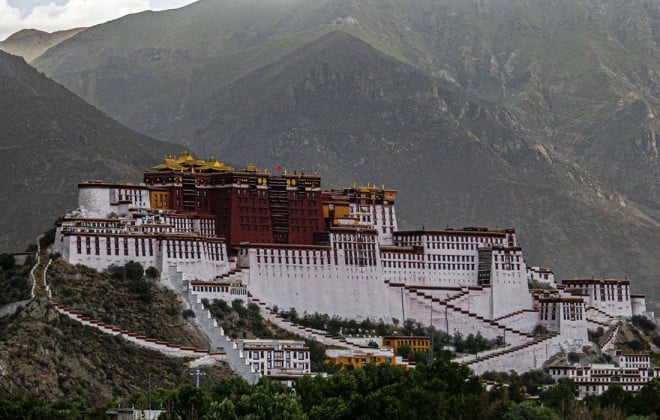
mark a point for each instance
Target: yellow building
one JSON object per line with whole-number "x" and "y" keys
{"x": 343, "y": 358}
{"x": 414, "y": 343}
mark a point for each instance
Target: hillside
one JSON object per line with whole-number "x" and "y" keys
{"x": 58, "y": 359}
{"x": 50, "y": 140}
{"x": 46, "y": 354}
{"x": 31, "y": 43}
{"x": 536, "y": 115}
{"x": 135, "y": 304}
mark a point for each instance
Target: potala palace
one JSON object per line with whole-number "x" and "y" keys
{"x": 281, "y": 240}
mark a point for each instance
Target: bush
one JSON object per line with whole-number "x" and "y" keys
{"x": 656, "y": 340}
{"x": 7, "y": 261}
{"x": 188, "y": 313}
{"x": 643, "y": 323}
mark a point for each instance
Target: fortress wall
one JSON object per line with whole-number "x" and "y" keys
{"x": 345, "y": 291}
{"x": 525, "y": 321}
{"x": 614, "y": 308}
{"x": 451, "y": 321}
{"x": 574, "y": 330}
{"x": 510, "y": 292}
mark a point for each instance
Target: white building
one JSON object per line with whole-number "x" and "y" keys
{"x": 633, "y": 372}
{"x": 541, "y": 275}
{"x": 152, "y": 238}
{"x": 277, "y": 359}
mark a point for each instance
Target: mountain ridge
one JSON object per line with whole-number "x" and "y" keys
{"x": 52, "y": 140}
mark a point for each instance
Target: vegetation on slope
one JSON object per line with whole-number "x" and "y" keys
{"x": 14, "y": 280}
{"x": 58, "y": 359}
{"x": 124, "y": 297}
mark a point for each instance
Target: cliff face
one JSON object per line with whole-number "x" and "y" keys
{"x": 51, "y": 140}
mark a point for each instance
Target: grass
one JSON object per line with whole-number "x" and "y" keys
{"x": 105, "y": 299}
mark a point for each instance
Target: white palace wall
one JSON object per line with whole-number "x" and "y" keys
{"x": 347, "y": 291}
{"x": 510, "y": 292}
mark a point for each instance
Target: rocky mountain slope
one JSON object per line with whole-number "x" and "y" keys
{"x": 538, "y": 115}
{"x": 50, "y": 140}
{"x": 31, "y": 43}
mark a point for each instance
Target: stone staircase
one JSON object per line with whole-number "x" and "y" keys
{"x": 441, "y": 304}
{"x": 219, "y": 340}
{"x": 522, "y": 363}
{"x": 234, "y": 274}
{"x": 512, "y": 314}
{"x": 610, "y": 337}
{"x": 598, "y": 318}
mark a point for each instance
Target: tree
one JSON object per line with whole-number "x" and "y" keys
{"x": 647, "y": 401}
{"x": 270, "y": 400}
{"x": 529, "y": 410}
{"x": 152, "y": 273}
{"x": 646, "y": 324}
{"x": 561, "y": 397}
{"x": 221, "y": 410}
{"x": 615, "y": 396}
{"x": 7, "y": 261}
{"x": 540, "y": 330}
{"x": 188, "y": 403}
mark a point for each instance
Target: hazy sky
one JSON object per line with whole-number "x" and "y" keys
{"x": 55, "y": 15}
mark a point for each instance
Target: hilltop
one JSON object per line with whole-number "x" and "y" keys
{"x": 538, "y": 116}
{"x": 31, "y": 43}
{"x": 50, "y": 140}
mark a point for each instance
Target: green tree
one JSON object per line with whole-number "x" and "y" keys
{"x": 270, "y": 400}
{"x": 616, "y": 397}
{"x": 221, "y": 410}
{"x": 188, "y": 403}
{"x": 7, "y": 262}
{"x": 647, "y": 401}
{"x": 529, "y": 410}
{"x": 152, "y": 273}
{"x": 561, "y": 397}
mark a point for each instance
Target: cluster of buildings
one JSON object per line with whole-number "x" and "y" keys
{"x": 226, "y": 233}
{"x": 630, "y": 371}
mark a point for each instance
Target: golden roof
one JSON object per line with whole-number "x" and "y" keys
{"x": 187, "y": 163}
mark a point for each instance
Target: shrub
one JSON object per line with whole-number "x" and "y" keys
{"x": 643, "y": 323}
{"x": 188, "y": 313}
{"x": 573, "y": 357}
